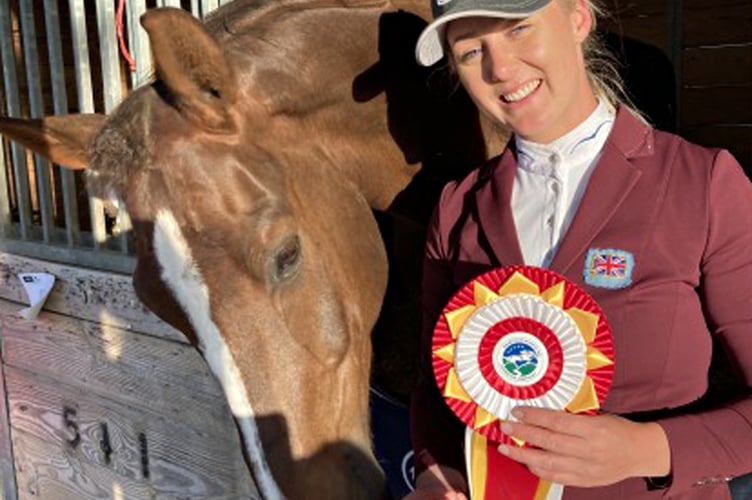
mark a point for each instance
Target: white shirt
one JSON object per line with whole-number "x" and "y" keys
{"x": 550, "y": 181}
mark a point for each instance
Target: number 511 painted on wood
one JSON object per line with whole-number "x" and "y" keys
{"x": 73, "y": 440}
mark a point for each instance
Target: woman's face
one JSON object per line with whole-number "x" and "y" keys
{"x": 528, "y": 74}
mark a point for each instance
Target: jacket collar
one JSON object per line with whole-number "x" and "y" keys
{"x": 631, "y": 136}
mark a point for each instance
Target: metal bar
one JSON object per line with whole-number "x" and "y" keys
{"x": 85, "y": 102}
{"x": 13, "y": 108}
{"x": 5, "y": 215}
{"x": 5, "y": 192}
{"x": 94, "y": 259}
{"x": 195, "y": 8}
{"x": 138, "y": 43}
{"x": 81, "y": 56}
{"x": 36, "y": 110}
{"x": 207, "y": 6}
{"x": 110, "y": 58}
{"x": 60, "y": 103}
{"x": 113, "y": 89}
{"x": 170, "y": 3}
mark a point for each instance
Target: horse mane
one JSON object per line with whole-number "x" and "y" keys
{"x": 120, "y": 148}
{"x": 241, "y": 15}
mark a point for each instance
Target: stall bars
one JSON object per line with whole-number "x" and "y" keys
{"x": 43, "y": 207}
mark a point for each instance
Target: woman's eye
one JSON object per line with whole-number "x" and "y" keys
{"x": 519, "y": 29}
{"x": 468, "y": 55}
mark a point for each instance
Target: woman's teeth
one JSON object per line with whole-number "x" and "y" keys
{"x": 521, "y": 93}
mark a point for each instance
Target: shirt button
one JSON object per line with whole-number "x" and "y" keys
{"x": 550, "y": 221}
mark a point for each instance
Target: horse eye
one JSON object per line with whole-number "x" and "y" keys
{"x": 287, "y": 260}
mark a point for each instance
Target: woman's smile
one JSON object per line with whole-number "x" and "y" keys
{"x": 522, "y": 92}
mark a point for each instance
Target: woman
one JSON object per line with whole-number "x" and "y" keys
{"x": 584, "y": 175}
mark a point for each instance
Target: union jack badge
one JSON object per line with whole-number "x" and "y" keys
{"x": 608, "y": 268}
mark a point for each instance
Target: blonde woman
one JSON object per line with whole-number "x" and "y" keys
{"x": 583, "y": 173}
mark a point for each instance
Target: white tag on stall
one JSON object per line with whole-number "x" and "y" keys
{"x": 38, "y": 286}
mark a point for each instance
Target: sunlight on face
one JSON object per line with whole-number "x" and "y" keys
{"x": 528, "y": 74}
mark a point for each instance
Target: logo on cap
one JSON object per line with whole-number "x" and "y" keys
{"x": 442, "y": 2}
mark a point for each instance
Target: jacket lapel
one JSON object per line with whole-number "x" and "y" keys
{"x": 494, "y": 202}
{"x": 608, "y": 187}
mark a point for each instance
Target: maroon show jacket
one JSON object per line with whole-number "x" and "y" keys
{"x": 684, "y": 212}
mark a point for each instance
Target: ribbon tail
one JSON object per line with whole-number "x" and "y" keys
{"x": 476, "y": 456}
{"x": 492, "y": 476}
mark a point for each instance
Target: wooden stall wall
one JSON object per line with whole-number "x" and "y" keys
{"x": 104, "y": 401}
{"x": 716, "y": 91}
{"x": 709, "y": 43}
{"x": 98, "y": 398}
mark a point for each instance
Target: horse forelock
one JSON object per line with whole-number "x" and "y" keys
{"x": 121, "y": 147}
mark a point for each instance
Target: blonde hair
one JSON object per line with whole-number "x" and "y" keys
{"x": 600, "y": 63}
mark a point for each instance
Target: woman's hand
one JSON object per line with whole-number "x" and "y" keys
{"x": 438, "y": 482}
{"x": 586, "y": 451}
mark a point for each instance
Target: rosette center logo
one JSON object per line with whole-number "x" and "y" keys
{"x": 520, "y": 359}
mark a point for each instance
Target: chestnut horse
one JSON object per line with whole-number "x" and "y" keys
{"x": 251, "y": 168}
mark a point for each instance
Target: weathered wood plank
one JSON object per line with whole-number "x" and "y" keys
{"x": 716, "y": 106}
{"x": 141, "y": 371}
{"x": 713, "y": 25}
{"x": 718, "y": 4}
{"x": 718, "y": 66}
{"x": 45, "y": 472}
{"x": 627, "y": 8}
{"x": 106, "y": 298}
{"x": 92, "y": 435}
{"x": 7, "y": 470}
{"x": 651, "y": 29}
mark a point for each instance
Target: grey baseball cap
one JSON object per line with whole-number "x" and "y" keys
{"x": 429, "y": 48}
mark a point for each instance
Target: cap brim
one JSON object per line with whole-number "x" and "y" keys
{"x": 429, "y": 49}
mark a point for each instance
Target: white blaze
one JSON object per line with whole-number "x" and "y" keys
{"x": 183, "y": 277}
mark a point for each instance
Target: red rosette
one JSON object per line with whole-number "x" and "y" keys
{"x": 521, "y": 336}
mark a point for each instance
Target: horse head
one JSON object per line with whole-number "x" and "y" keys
{"x": 250, "y": 168}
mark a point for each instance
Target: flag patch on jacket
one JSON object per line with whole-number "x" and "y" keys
{"x": 608, "y": 268}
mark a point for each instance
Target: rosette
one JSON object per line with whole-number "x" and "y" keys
{"x": 520, "y": 336}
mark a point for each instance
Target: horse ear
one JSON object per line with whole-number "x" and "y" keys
{"x": 193, "y": 66}
{"x": 62, "y": 139}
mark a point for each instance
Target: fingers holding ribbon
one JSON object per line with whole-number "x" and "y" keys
{"x": 546, "y": 429}
{"x": 586, "y": 451}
